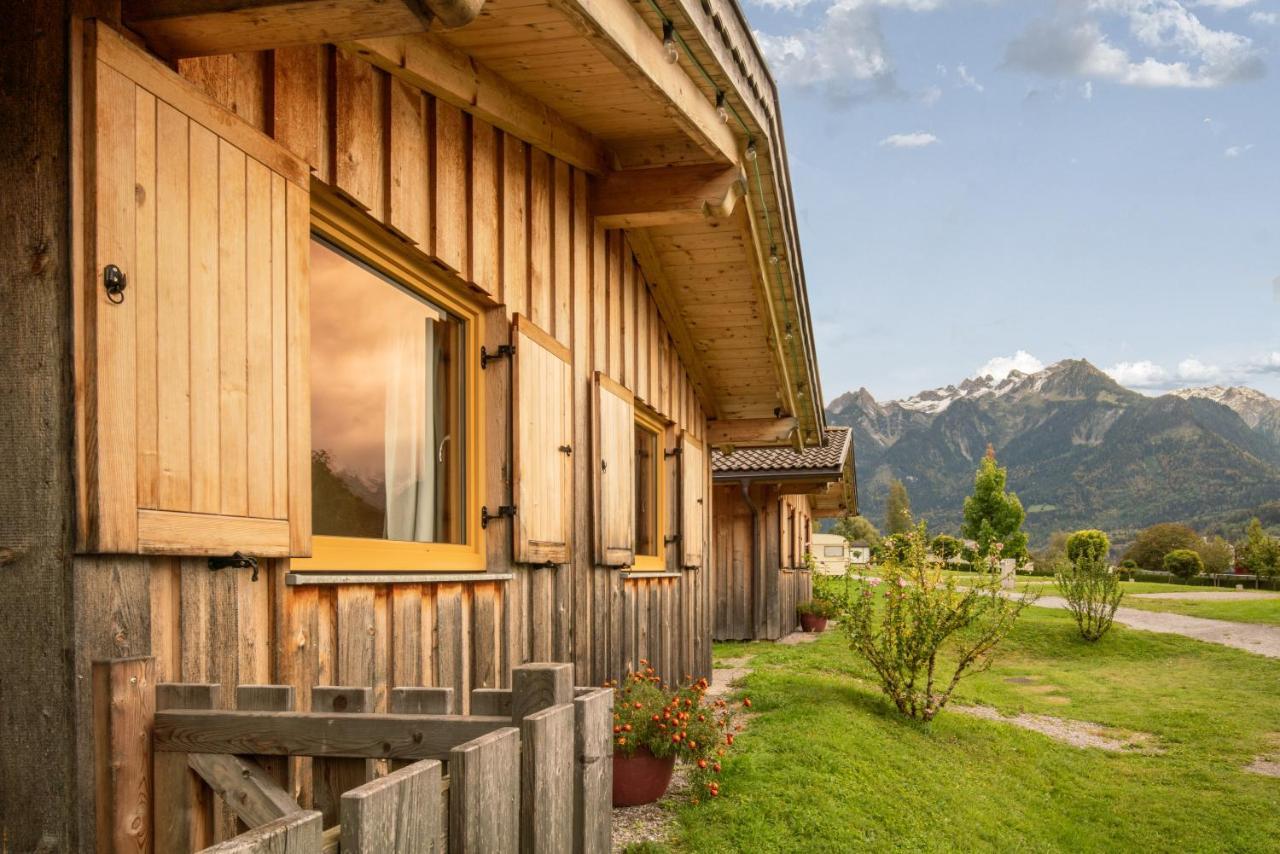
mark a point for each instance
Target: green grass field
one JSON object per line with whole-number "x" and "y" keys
{"x": 828, "y": 765}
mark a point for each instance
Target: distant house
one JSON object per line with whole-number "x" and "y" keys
{"x": 764, "y": 505}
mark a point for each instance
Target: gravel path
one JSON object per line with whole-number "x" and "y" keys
{"x": 1251, "y": 637}
{"x": 1074, "y": 733}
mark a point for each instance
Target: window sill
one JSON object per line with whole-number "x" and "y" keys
{"x": 642, "y": 575}
{"x": 302, "y": 579}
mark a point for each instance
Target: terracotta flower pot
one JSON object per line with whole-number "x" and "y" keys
{"x": 813, "y": 623}
{"x": 641, "y": 778}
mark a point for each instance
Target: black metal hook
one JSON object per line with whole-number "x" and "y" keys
{"x": 114, "y": 281}
{"x": 235, "y": 561}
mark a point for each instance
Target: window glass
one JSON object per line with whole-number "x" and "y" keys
{"x": 648, "y": 457}
{"x": 387, "y": 430}
{"x": 833, "y": 551}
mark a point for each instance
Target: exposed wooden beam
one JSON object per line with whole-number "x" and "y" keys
{"x": 182, "y": 28}
{"x": 663, "y": 295}
{"x": 622, "y": 35}
{"x": 749, "y": 432}
{"x": 761, "y": 269}
{"x": 249, "y": 791}
{"x": 451, "y": 75}
{"x": 668, "y": 195}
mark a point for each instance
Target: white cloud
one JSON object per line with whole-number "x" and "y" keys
{"x": 1237, "y": 150}
{"x": 1268, "y": 363}
{"x": 1073, "y": 44}
{"x": 967, "y": 79}
{"x": 1086, "y": 91}
{"x": 999, "y": 367}
{"x": 919, "y": 139}
{"x": 1143, "y": 374}
{"x": 1264, "y": 19}
{"x": 1195, "y": 371}
{"x": 1225, "y": 4}
{"x": 845, "y": 53}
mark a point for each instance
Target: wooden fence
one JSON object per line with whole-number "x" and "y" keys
{"x": 530, "y": 770}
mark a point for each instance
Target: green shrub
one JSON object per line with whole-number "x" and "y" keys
{"x": 1091, "y": 589}
{"x": 1089, "y": 542}
{"x": 816, "y": 607}
{"x": 946, "y": 546}
{"x": 1183, "y": 563}
{"x": 920, "y": 632}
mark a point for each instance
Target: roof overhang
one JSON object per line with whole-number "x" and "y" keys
{"x": 590, "y": 82}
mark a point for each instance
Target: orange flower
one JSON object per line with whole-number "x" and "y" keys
{"x": 702, "y": 763}
{"x": 746, "y": 701}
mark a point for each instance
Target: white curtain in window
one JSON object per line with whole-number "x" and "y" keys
{"x": 410, "y": 432}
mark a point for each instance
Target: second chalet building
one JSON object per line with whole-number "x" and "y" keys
{"x": 389, "y": 344}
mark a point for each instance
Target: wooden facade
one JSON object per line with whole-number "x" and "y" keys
{"x": 766, "y": 502}
{"x": 616, "y": 242}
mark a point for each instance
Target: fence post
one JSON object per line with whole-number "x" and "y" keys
{"x": 183, "y": 805}
{"x": 593, "y": 771}
{"x": 484, "y": 794}
{"x": 546, "y": 781}
{"x": 271, "y": 698}
{"x": 395, "y": 814}
{"x": 491, "y": 701}
{"x": 332, "y": 777}
{"x": 535, "y": 687}
{"x": 124, "y": 705}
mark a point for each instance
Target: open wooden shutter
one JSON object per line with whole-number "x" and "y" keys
{"x": 543, "y": 445}
{"x": 194, "y": 398}
{"x": 614, "y": 463}
{"x": 693, "y": 491}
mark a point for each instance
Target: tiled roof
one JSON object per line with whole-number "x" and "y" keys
{"x": 830, "y": 457}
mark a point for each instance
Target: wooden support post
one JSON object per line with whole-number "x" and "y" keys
{"x": 395, "y": 814}
{"x": 546, "y": 780}
{"x": 593, "y": 771}
{"x": 271, "y": 698}
{"x": 332, "y": 777}
{"x": 535, "y": 687}
{"x": 294, "y": 834}
{"x": 124, "y": 705}
{"x": 183, "y": 804}
{"x": 484, "y": 794}
{"x": 419, "y": 701}
{"x": 491, "y": 701}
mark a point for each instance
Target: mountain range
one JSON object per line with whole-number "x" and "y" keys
{"x": 1081, "y": 450}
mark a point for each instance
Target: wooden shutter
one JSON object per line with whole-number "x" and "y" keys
{"x": 193, "y": 397}
{"x": 614, "y": 479}
{"x": 693, "y": 491}
{"x": 543, "y": 445}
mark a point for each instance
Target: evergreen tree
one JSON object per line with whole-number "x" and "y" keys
{"x": 992, "y": 515}
{"x": 897, "y": 509}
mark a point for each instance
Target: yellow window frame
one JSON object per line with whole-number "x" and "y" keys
{"x": 655, "y": 562}
{"x": 354, "y": 232}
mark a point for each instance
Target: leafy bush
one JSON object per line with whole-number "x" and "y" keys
{"x": 1127, "y": 570}
{"x": 818, "y": 608}
{"x": 1089, "y": 542}
{"x": 1183, "y": 563}
{"x": 920, "y": 632}
{"x": 1259, "y": 553}
{"x": 1091, "y": 589}
{"x": 946, "y": 546}
{"x": 676, "y": 722}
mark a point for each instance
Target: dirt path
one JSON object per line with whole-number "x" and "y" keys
{"x": 1251, "y": 637}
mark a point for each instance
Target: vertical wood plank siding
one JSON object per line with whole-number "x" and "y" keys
{"x": 516, "y": 224}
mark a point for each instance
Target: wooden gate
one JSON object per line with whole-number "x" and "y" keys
{"x": 530, "y": 771}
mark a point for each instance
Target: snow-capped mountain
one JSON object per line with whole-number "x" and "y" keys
{"x": 1082, "y": 450}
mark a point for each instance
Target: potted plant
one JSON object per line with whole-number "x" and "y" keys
{"x": 814, "y": 614}
{"x": 654, "y": 726}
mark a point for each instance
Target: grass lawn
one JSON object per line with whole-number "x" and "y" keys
{"x": 828, "y": 765}
{"x": 1242, "y": 611}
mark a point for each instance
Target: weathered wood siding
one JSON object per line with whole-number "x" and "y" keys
{"x": 756, "y": 598}
{"x": 515, "y": 223}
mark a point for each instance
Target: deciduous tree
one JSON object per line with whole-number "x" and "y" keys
{"x": 992, "y": 515}
{"x": 1152, "y": 544}
{"x": 1259, "y": 553}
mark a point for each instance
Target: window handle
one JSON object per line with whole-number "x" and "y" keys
{"x": 566, "y": 449}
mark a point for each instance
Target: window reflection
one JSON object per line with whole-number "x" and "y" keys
{"x": 386, "y": 407}
{"x": 646, "y": 481}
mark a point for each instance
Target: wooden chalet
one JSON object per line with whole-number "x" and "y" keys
{"x": 765, "y": 501}
{"x": 376, "y": 345}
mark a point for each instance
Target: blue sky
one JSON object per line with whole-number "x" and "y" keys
{"x": 1079, "y": 178}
